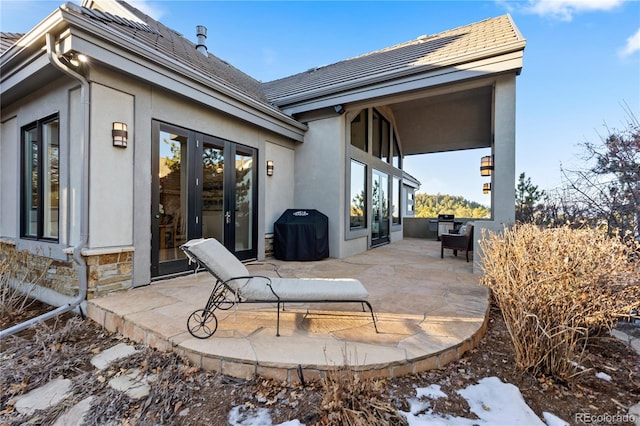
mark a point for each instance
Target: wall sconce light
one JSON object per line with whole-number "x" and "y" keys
{"x": 119, "y": 134}
{"x": 270, "y": 167}
{"x": 486, "y": 165}
{"x": 486, "y": 188}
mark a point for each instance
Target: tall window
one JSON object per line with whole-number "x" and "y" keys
{"x": 358, "y": 195}
{"x": 359, "y": 130}
{"x": 397, "y": 160}
{"x": 380, "y": 136}
{"x": 395, "y": 208}
{"x": 40, "y": 179}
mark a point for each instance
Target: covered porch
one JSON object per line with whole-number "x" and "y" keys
{"x": 429, "y": 312}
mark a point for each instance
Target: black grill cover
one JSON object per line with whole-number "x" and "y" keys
{"x": 301, "y": 234}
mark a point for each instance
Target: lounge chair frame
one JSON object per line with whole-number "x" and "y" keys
{"x": 203, "y": 323}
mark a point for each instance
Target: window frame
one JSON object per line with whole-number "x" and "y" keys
{"x": 44, "y": 169}
{"x": 364, "y": 192}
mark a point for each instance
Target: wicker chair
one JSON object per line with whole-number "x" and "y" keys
{"x": 461, "y": 241}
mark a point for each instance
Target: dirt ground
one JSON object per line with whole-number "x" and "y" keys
{"x": 183, "y": 395}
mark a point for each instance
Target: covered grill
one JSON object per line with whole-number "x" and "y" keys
{"x": 445, "y": 223}
{"x": 301, "y": 234}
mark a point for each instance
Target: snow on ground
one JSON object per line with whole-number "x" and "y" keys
{"x": 491, "y": 400}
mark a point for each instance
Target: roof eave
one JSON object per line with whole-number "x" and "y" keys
{"x": 286, "y": 101}
{"x": 384, "y": 88}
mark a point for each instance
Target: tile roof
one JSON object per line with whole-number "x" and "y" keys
{"x": 450, "y": 47}
{"x": 7, "y": 40}
{"x": 164, "y": 40}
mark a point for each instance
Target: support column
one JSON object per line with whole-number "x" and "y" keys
{"x": 503, "y": 177}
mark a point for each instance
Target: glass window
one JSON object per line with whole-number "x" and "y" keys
{"x": 376, "y": 134}
{"x": 384, "y": 140}
{"x": 380, "y": 136}
{"x": 395, "y": 208}
{"x": 40, "y": 179}
{"x": 397, "y": 163}
{"x": 358, "y": 195}
{"x": 359, "y": 130}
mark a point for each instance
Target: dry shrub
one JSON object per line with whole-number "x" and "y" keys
{"x": 556, "y": 289}
{"x": 350, "y": 400}
{"x": 19, "y": 276}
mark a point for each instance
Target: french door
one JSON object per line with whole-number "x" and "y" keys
{"x": 202, "y": 187}
{"x": 380, "y": 208}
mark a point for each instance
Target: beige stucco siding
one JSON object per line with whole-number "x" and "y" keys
{"x": 111, "y": 169}
{"x": 319, "y": 176}
{"x": 278, "y": 188}
{"x": 9, "y": 176}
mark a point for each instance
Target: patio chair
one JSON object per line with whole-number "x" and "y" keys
{"x": 463, "y": 240}
{"x": 235, "y": 285}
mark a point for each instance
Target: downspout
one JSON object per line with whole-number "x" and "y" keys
{"x": 85, "y": 92}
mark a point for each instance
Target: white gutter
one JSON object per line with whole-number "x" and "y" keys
{"x": 85, "y": 92}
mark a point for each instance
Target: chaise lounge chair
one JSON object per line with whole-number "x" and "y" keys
{"x": 235, "y": 285}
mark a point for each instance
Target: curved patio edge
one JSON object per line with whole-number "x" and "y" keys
{"x": 429, "y": 311}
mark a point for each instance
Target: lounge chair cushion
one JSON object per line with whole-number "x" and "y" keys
{"x": 304, "y": 289}
{"x": 220, "y": 261}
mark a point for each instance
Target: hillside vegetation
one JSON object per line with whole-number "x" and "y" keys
{"x": 427, "y": 205}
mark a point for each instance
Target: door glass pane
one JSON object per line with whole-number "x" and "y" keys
{"x": 244, "y": 200}
{"x": 172, "y": 195}
{"x": 30, "y": 195}
{"x": 51, "y": 181}
{"x": 357, "y": 196}
{"x": 213, "y": 213}
{"x": 380, "y": 207}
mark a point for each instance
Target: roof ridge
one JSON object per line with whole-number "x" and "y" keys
{"x": 418, "y": 40}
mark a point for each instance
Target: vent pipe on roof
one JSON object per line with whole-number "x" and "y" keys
{"x": 201, "y": 32}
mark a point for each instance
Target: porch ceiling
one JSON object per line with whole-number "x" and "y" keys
{"x": 446, "y": 122}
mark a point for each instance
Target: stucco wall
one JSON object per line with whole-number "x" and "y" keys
{"x": 9, "y": 153}
{"x": 319, "y": 176}
{"x": 111, "y": 170}
{"x": 278, "y": 188}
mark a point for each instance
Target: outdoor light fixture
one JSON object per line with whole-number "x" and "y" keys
{"x": 270, "y": 167}
{"x": 486, "y": 165}
{"x": 75, "y": 59}
{"x": 339, "y": 109}
{"x": 486, "y": 188}
{"x": 119, "y": 134}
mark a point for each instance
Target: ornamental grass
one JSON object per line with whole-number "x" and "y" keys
{"x": 557, "y": 289}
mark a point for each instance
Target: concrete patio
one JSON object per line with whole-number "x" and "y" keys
{"x": 429, "y": 312}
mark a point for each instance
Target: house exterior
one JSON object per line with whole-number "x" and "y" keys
{"x": 121, "y": 139}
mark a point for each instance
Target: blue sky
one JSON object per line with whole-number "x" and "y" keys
{"x": 581, "y": 63}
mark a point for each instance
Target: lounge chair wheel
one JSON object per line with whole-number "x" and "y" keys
{"x": 202, "y": 324}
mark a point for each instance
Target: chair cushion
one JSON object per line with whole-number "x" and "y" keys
{"x": 304, "y": 289}
{"x": 220, "y": 261}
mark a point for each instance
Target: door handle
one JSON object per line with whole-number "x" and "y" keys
{"x": 227, "y": 217}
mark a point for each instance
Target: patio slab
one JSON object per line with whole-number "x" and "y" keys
{"x": 429, "y": 312}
